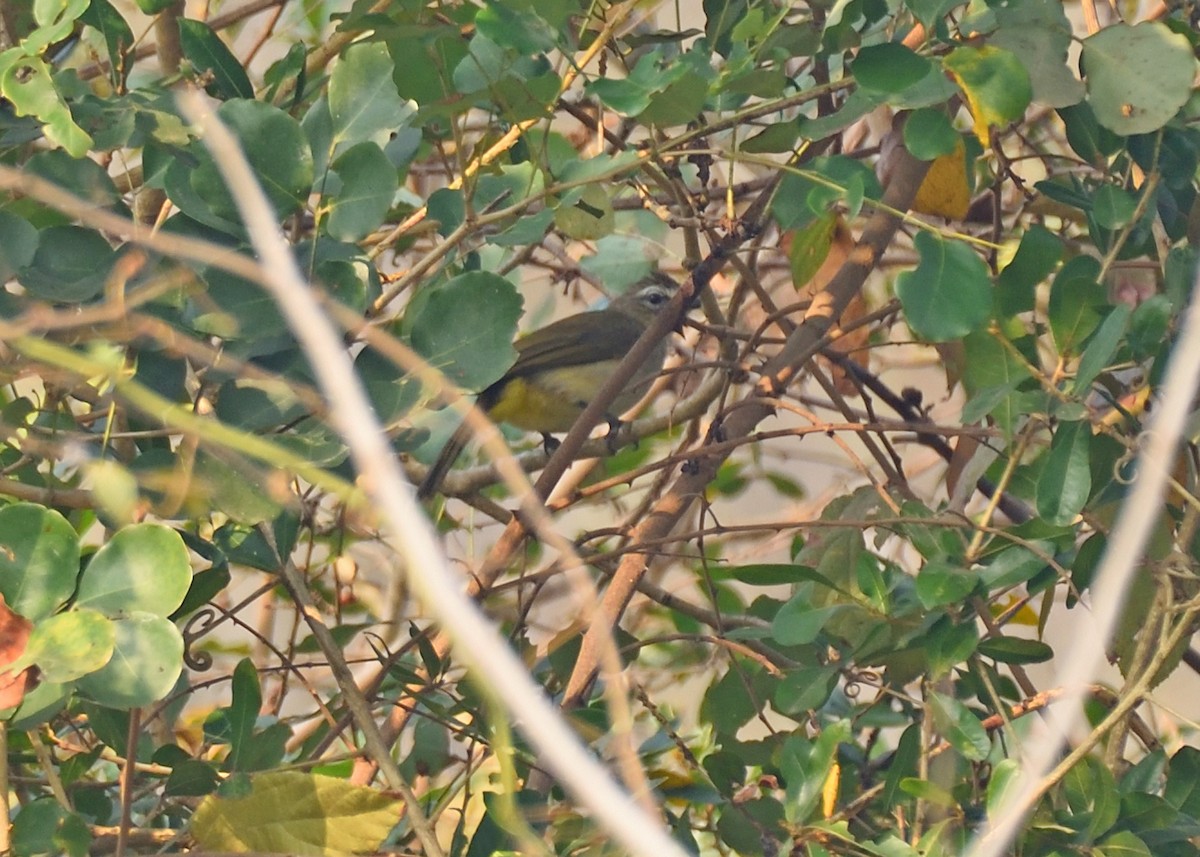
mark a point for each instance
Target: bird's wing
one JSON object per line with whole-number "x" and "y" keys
{"x": 579, "y": 339}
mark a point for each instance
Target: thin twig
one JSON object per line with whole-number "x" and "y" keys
{"x": 477, "y": 641}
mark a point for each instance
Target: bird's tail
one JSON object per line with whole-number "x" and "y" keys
{"x": 445, "y": 460}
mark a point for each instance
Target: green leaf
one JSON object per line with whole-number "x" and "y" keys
{"x": 297, "y": 813}
{"x": 1113, "y": 206}
{"x": 1066, "y": 479}
{"x": 806, "y": 765}
{"x": 41, "y": 704}
{"x": 290, "y": 67}
{"x": 928, "y": 791}
{"x": 798, "y": 622}
{"x": 805, "y": 689}
{"x": 1036, "y": 258}
{"x": 44, "y": 827}
{"x": 235, "y": 309}
{"x": 947, "y": 645}
{"x": 147, "y": 659}
{"x": 368, "y": 185}
{"x": 205, "y": 586}
{"x": 1137, "y": 77}
{"x": 246, "y": 545}
{"x": 586, "y": 216}
{"x": 601, "y": 166}
{"x": 809, "y": 247}
{"x": 118, "y": 37}
{"x": 70, "y": 265}
{"x": 142, "y": 568}
{"x": 190, "y": 778}
{"x": 949, "y": 294}
{"x": 258, "y": 404}
{"x": 929, "y": 12}
{"x": 530, "y": 229}
{"x": 1092, "y": 798}
{"x": 26, "y": 82}
{"x": 363, "y": 101}
{"x": 619, "y": 260}
{"x": 856, "y": 106}
{"x": 392, "y": 395}
{"x": 55, "y": 22}
{"x": 726, "y": 704}
{"x": 1086, "y": 136}
{"x": 890, "y": 67}
{"x": 1016, "y": 564}
{"x": 115, "y": 493}
{"x": 242, "y": 714}
{"x": 466, "y": 328}
{"x": 277, "y": 150}
{"x": 1075, "y": 301}
{"x": 959, "y": 725}
{"x": 928, "y": 134}
{"x": 1013, "y": 650}
{"x": 684, "y": 99}
{"x": 69, "y": 645}
{"x": 774, "y": 574}
{"x": 1005, "y": 777}
{"x": 809, "y": 193}
{"x": 652, "y": 76}
{"x": 209, "y": 56}
{"x": 991, "y": 376}
{"x": 996, "y": 84}
{"x": 521, "y": 29}
{"x": 39, "y": 559}
{"x": 940, "y": 583}
{"x": 903, "y": 762}
{"x": 1182, "y": 789}
{"x": 778, "y": 137}
{"x": 18, "y": 244}
{"x": 1148, "y": 326}
{"x": 81, "y": 176}
{"x": 1124, "y": 843}
{"x": 1100, "y": 350}
{"x": 1039, "y": 34}
{"x": 1146, "y": 775}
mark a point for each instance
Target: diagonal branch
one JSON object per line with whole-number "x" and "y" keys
{"x": 776, "y": 375}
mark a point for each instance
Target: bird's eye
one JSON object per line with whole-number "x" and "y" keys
{"x": 655, "y": 297}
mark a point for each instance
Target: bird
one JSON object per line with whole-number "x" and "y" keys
{"x": 561, "y": 366}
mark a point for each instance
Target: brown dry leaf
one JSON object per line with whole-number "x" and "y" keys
{"x": 14, "y": 637}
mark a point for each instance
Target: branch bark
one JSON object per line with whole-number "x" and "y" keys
{"x": 776, "y": 375}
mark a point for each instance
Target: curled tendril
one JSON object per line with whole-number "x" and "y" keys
{"x": 857, "y": 679}
{"x": 1120, "y": 468}
{"x": 202, "y": 621}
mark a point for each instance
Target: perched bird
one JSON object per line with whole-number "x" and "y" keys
{"x": 561, "y": 366}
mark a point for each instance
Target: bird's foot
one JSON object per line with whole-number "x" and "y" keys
{"x": 614, "y": 434}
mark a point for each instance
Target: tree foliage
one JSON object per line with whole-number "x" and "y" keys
{"x": 993, "y": 202}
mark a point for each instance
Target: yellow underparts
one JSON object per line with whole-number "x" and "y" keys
{"x": 552, "y": 400}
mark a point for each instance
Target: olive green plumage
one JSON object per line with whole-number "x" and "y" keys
{"x": 561, "y": 366}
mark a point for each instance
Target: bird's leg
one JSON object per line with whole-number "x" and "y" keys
{"x": 614, "y": 433}
{"x": 550, "y": 443}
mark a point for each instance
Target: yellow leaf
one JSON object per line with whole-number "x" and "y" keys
{"x": 830, "y": 790}
{"x": 945, "y": 191}
{"x": 297, "y": 813}
{"x": 995, "y": 83}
